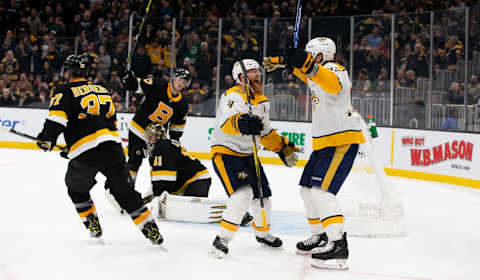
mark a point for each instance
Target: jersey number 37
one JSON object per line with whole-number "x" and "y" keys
{"x": 92, "y": 103}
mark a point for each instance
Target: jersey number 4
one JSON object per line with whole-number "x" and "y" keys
{"x": 162, "y": 114}
{"x": 92, "y": 102}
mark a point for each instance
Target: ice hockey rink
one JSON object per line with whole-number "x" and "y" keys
{"x": 41, "y": 236}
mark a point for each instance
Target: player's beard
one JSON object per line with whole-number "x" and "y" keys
{"x": 256, "y": 86}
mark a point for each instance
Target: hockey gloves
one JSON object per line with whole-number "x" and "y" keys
{"x": 250, "y": 125}
{"x": 288, "y": 153}
{"x": 273, "y": 63}
{"x": 294, "y": 57}
{"x": 128, "y": 79}
{"x": 44, "y": 144}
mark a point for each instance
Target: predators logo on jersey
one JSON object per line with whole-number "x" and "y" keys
{"x": 242, "y": 175}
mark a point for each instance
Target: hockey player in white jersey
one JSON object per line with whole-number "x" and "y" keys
{"x": 233, "y": 159}
{"x": 336, "y": 138}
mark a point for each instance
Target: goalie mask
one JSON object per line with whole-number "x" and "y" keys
{"x": 154, "y": 133}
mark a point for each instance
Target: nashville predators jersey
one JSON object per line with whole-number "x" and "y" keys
{"x": 85, "y": 113}
{"x": 226, "y": 136}
{"x": 173, "y": 170}
{"x": 332, "y": 121}
{"x": 160, "y": 106}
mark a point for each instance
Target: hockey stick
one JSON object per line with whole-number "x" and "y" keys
{"x": 254, "y": 145}
{"x": 13, "y": 131}
{"x": 297, "y": 23}
{"x": 138, "y": 34}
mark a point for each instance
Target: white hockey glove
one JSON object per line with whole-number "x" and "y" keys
{"x": 273, "y": 63}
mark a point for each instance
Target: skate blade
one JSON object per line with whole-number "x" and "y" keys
{"x": 99, "y": 240}
{"x": 339, "y": 264}
{"x": 303, "y": 253}
{"x": 161, "y": 247}
{"x": 271, "y": 248}
{"x": 216, "y": 253}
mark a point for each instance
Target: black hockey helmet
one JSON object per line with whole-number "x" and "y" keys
{"x": 77, "y": 65}
{"x": 184, "y": 74}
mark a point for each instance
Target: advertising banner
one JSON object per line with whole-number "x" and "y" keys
{"x": 445, "y": 153}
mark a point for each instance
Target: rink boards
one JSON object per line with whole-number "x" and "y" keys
{"x": 441, "y": 156}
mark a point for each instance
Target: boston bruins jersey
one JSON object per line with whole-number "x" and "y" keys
{"x": 173, "y": 170}
{"x": 85, "y": 113}
{"x": 160, "y": 106}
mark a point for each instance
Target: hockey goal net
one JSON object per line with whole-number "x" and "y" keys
{"x": 372, "y": 206}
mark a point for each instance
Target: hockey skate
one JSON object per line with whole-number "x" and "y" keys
{"x": 151, "y": 232}
{"x": 93, "y": 225}
{"x": 219, "y": 247}
{"x": 247, "y": 218}
{"x": 305, "y": 247}
{"x": 270, "y": 241}
{"x": 332, "y": 255}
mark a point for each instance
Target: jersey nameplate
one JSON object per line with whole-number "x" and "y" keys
{"x": 86, "y": 89}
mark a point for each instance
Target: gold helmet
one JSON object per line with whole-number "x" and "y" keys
{"x": 154, "y": 132}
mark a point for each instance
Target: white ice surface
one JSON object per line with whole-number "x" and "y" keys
{"x": 41, "y": 236}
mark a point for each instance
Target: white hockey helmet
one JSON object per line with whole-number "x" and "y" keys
{"x": 249, "y": 65}
{"x": 324, "y": 46}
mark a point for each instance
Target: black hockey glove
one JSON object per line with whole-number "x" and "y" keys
{"x": 250, "y": 125}
{"x": 44, "y": 144}
{"x": 288, "y": 154}
{"x": 64, "y": 154}
{"x": 128, "y": 79}
{"x": 300, "y": 59}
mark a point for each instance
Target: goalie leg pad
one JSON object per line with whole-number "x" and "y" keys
{"x": 237, "y": 205}
{"x": 313, "y": 215}
{"x": 330, "y": 212}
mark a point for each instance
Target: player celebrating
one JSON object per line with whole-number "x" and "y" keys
{"x": 85, "y": 114}
{"x": 336, "y": 138}
{"x": 233, "y": 158}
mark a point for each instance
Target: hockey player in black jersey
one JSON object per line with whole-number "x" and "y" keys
{"x": 172, "y": 169}
{"x": 84, "y": 112}
{"x": 164, "y": 104}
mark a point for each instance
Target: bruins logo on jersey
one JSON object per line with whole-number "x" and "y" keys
{"x": 242, "y": 175}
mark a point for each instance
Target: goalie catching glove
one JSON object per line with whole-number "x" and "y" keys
{"x": 294, "y": 57}
{"x": 288, "y": 153}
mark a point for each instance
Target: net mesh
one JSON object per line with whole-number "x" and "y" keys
{"x": 372, "y": 207}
